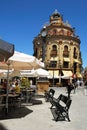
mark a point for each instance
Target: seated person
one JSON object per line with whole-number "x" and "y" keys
{"x": 4, "y": 85}
{"x": 17, "y": 88}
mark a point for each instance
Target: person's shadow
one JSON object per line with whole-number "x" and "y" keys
{"x": 2, "y": 127}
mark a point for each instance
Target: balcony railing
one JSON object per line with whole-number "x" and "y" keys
{"x": 65, "y": 53}
{"x": 53, "y": 53}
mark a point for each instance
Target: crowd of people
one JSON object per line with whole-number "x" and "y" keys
{"x": 13, "y": 86}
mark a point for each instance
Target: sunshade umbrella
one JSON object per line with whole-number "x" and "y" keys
{"x": 27, "y": 73}
{"x": 35, "y": 73}
{"x": 42, "y": 72}
{"x": 3, "y": 73}
{"x": 15, "y": 73}
{"x": 20, "y": 61}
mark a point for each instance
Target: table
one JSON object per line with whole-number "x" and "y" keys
{"x": 9, "y": 95}
{"x": 28, "y": 94}
{"x": 10, "y": 100}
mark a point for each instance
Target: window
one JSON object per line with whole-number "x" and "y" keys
{"x": 53, "y": 51}
{"x": 54, "y": 32}
{"x": 66, "y": 52}
{"x": 53, "y": 64}
{"x": 65, "y": 64}
{"x": 66, "y": 48}
{"x": 74, "y": 53}
{"x": 54, "y": 47}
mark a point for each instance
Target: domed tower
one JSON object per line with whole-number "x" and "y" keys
{"x": 58, "y": 47}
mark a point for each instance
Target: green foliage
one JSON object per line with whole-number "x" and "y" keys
{"x": 25, "y": 82}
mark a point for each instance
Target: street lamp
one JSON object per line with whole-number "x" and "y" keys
{"x": 43, "y": 34}
{"x": 53, "y": 75}
{"x": 53, "y": 65}
{"x": 60, "y": 71}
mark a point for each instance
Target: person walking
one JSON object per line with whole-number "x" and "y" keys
{"x": 85, "y": 88}
{"x": 69, "y": 88}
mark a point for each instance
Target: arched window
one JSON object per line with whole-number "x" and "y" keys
{"x": 54, "y": 47}
{"x": 53, "y": 51}
{"x": 66, "y": 52}
{"x": 65, "y": 48}
{"x": 54, "y": 31}
{"x": 75, "y": 53}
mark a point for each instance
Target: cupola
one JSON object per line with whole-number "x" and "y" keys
{"x": 56, "y": 18}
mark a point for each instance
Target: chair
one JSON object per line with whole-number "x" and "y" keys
{"x": 20, "y": 99}
{"x": 59, "y": 111}
{"x": 2, "y": 104}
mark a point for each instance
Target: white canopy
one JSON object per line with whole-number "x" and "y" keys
{"x": 34, "y": 73}
{"x": 21, "y": 61}
{"x": 42, "y": 72}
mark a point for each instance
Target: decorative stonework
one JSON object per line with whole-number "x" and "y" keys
{"x": 59, "y": 35}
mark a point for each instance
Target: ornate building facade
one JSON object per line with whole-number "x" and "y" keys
{"x": 58, "y": 47}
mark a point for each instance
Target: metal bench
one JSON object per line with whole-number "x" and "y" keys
{"x": 59, "y": 111}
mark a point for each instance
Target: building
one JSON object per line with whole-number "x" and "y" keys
{"x": 58, "y": 47}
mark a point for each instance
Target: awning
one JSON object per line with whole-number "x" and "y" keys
{"x": 55, "y": 72}
{"x": 52, "y": 58}
{"x": 79, "y": 75}
{"x": 67, "y": 73}
{"x": 66, "y": 59}
{"x": 77, "y": 61}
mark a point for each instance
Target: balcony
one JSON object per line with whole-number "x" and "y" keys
{"x": 53, "y": 53}
{"x": 65, "y": 53}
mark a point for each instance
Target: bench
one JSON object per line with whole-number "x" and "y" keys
{"x": 59, "y": 111}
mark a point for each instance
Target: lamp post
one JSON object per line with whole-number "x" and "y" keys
{"x": 53, "y": 75}
{"x": 43, "y": 34}
{"x": 53, "y": 65}
{"x": 60, "y": 71}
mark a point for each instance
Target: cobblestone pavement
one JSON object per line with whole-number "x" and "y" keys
{"x": 41, "y": 118}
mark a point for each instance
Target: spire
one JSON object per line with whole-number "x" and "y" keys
{"x": 56, "y": 12}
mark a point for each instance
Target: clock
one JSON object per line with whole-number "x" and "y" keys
{"x": 44, "y": 33}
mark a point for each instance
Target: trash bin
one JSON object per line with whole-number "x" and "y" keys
{"x": 42, "y": 85}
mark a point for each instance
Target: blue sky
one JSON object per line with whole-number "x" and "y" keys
{"x": 22, "y": 20}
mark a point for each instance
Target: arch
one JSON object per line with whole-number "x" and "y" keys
{"x": 53, "y": 51}
{"x": 65, "y": 52}
{"x": 54, "y": 47}
{"x": 65, "y": 48}
{"x": 75, "y": 52}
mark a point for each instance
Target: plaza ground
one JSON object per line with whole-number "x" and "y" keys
{"x": 39, "y": 117}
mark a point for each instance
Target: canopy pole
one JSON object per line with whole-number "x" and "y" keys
{"x": 7, "y": 89}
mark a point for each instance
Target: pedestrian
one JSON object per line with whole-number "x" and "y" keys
{"x": 85, "y": 88}
{"x": 78, "y": 83}
{"x": 69, "y": 88}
